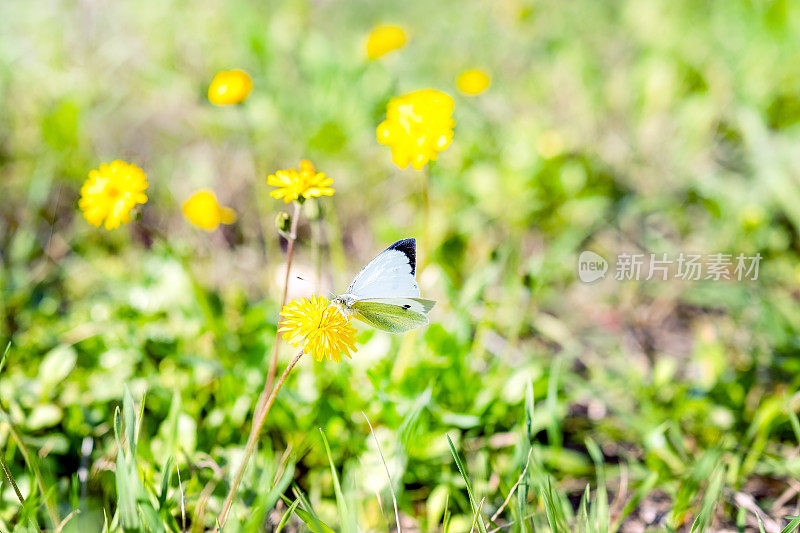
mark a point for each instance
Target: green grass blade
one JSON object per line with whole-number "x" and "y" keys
{"x": 529, "y": 410}
{"x": 314, "y": 524}
{"x": 645, "y": 489}
{"x": 166, "y": 475}
{"x": 463, "y": 471}
{"x": 126, "y": 496}
{"x": 29, "y": 511}
{"x": 476, "y": 515}
{"x": 307, "y": 514}
{"x": 266, "y": 502}
{"x": 149, "y": 517}
{"x": 3, "y": 359}
{"x": 711, "y": 496}
{"x": 30, "y": 459}
{"x": 599, "y": 509}
{"x": 553, "y": 427}
{"x": 792, "y": 419}
{"x": 792, "y": 525}
{"x": 347, "y": 524}
{"x": 129, "y": 416}
{"x": 552, "y": 506}
{"x": 760, "y": 524}
{"x": 287, "y": 515}
{"x": 583, "y": 523}
{"x": 446, "y": 515}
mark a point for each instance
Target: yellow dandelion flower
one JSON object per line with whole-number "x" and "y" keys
{"x": 303, "y": 182}
{"x": 473, "y": 81}
{"x": 230, "y": 87}
{"x": 418, "y": 126}
{"x": 320, "y": 328}
{"x": 384, "y": 39}
{"x": 203, "y": 210}
{"x": 111, "y": 192}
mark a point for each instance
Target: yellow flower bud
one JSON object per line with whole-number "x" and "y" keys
{"x": 230, "y": 87}
{"x": 473, "y": 82}
{"x": 383, "y": 40}
{"x": 203, "y": 210}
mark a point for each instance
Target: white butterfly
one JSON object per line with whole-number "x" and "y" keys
{"x": 385, "y": 294}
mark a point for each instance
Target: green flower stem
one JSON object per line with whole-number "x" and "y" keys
{"x": 13, "y": 483}
{"x": 426, "y": 244}
{"x": 258, "y": 422}
{"x": 273, "y": 364}
{"x": 10, "y": 479}
{"x": 52, "y": 512}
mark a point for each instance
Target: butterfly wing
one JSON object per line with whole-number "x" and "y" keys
{"x": 389, "y": 275}
{"x": 385, "y": 293}
{"x": 418, "y": 305}
{"x": 388, "y": 316}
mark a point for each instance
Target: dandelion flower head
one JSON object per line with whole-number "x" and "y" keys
{"x": 230, "y": 87}
{"x": 111, "y": 192}
{"x": 384, "y": 39}
{"x": 203, "y": 210}
{"x": 418, "y": 126}
{"x": 303, "y": 182}
{"x": 473, "y": 82}
{"x": 320, "y": 328}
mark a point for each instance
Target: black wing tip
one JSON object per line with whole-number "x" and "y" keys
{"x": 408, "y": 247}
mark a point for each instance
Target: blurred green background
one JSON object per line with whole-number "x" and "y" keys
{"x": 624, "y": 126}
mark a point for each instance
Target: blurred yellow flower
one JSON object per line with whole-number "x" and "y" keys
{"x": 418, "y": 126}
{"x": 320, "y": 328}
{"x": 230, "y": 87}
{"x": 473, "y": 82}
{"x": 384, "y": 39}
{"x": 203, "y": 210}
{"x": 305, "y": 182}
{"x": 111, "y": 192}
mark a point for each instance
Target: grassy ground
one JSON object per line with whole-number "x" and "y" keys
{"x": 136, "y": 355}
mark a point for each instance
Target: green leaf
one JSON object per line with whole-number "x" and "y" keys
{"x": 56, "y": 366}
{"x": 44, "y": 416}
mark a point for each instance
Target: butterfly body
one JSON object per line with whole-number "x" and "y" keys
{"x": 384, "y": 294}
